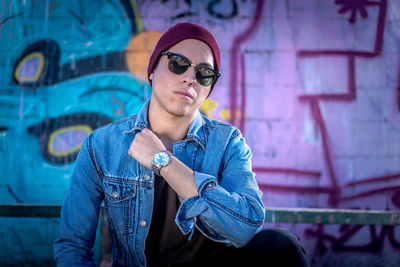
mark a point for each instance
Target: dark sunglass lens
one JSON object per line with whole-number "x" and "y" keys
{"x": 177, "y": 65}
{"x": 205, "y": 76}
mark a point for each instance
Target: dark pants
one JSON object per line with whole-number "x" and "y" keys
{"x": 270, "y": 247}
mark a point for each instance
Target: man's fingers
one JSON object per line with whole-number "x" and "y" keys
{"x": 131, "y": 150}
{"x": 144, "y": 145}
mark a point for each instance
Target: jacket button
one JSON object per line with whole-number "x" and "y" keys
{"x": 114, "y": 194}
{"x": 147, "y": 177}
{"x": 143, "y": 223}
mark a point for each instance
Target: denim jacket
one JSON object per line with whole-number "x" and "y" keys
{"x": 228, "y": 208}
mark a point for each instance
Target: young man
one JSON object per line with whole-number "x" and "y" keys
{"x": 178, "y": 188}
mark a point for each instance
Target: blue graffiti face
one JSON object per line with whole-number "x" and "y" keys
{"x": 63, "y": 74}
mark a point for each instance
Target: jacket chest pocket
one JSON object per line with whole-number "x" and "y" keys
{"x": 120, "y": 203}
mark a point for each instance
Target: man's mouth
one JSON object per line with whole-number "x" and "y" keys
{"x": 184, "y": 94}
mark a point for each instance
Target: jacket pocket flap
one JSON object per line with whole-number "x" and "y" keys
{"x": 116, "y": 192}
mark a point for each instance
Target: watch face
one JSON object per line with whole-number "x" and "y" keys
{"x": 161, "y": 158}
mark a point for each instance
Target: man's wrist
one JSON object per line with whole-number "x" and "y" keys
{"x": 165, "y": 168}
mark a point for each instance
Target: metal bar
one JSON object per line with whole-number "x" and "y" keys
{"x": 332, "y": 216}
{"x": 273, "y": 215}
{"x": 30, "y": 210}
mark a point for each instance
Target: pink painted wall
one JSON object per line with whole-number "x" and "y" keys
{"x": 317, "y": 87}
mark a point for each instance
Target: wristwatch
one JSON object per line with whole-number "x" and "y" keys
{"x": 160, "y": 159}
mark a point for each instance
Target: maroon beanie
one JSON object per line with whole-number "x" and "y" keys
{"x": 180, "y": 32}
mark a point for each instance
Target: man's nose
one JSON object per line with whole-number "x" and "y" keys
{"x": 189, "y": 76}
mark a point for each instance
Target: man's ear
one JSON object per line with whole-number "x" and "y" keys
{"x": 151, "y": 76}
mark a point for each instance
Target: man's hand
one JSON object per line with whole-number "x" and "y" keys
{"x": 178, "y": 175}
{"x": 143, "y": 147}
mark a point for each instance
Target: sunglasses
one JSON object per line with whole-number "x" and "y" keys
{"x": 178, "y": 64}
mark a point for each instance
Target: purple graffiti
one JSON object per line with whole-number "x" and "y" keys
{"x": 235, "y": 57}
{"x": 313, "y": 100}
{"x": 354, "y": 6}
{"x": 347, "y": 232}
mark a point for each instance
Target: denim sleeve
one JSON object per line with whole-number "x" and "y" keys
{"x": 80, "y": 212}
{"x": 228, "y": 208}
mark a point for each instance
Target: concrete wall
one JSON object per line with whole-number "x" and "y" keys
{"x": 313, "y": 85}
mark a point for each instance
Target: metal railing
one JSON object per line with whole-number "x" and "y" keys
{"x": 281, "y": 215}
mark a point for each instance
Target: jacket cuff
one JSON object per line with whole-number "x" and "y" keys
{"x": 187, "y": 212}
{"x": 204, "y": 182}
{"x": 194, "y": 206}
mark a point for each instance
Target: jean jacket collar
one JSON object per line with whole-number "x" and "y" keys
{"x": 195, "y": 132}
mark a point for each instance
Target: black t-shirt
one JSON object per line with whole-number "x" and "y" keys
{"x": 165, "y": 243}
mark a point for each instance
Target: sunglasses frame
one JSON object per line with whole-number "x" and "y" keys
{"x": 196, "y": 67}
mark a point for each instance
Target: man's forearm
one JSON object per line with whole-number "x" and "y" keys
{"x": 180, "y": 178}
{"x": 177, "y": 174}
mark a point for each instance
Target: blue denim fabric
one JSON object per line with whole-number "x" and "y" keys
{"x": 228, "y": 209}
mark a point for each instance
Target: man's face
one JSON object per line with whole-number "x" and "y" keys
{"x": 180, "y": 94}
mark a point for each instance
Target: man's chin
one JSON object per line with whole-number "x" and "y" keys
{"x": 182, "y": 112}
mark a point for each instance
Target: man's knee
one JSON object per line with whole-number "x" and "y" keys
{"x": 274, "y": 238}
{"x": 276, "y": 245}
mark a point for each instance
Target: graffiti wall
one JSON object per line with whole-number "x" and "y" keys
{"x": 313, "y": 85}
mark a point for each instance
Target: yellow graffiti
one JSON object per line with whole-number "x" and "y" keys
{"x": 138, "y": 17}
{"x": 35, "y": 77}
{"x": 226, "y": 114}
{"x": 64, "y": 130}
{"x": 208, "y": 106}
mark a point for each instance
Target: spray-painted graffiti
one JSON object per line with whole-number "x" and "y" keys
{"x": 334, "y": 189}
{"x": 297, "y": 79}
{"x": 65, "y": 72}
{"x": 374, "y": 242}
{"x": 215, "y": 8}
{"x": 355, "y": 7}
{"x": 209, "y": 106}
{"x": 350, "y": 96}
{"x": 67, "y": 68}
{"x": 338, "y": 192}
{"x": 314, "y": 101}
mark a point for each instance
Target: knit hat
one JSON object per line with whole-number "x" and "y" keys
{"x": 180, "y": 32}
